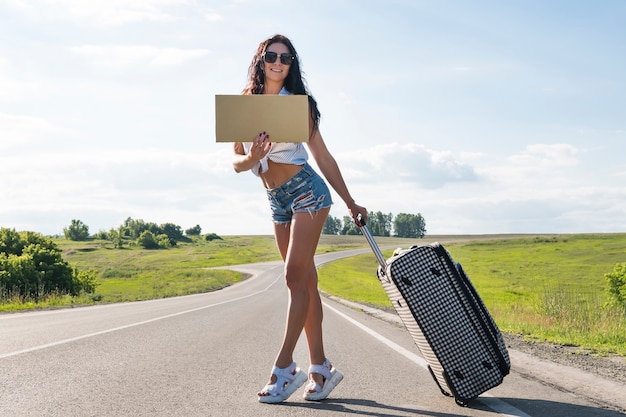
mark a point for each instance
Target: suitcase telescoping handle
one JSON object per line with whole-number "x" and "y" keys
{"x": 370, "y": 239}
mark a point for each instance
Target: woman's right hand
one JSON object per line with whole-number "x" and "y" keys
{"x": 261, "y": 146}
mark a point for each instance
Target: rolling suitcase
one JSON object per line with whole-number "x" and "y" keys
{"x": 448, "y": 321}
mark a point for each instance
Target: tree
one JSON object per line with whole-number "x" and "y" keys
{"x": 174, "y": 232}
{"x": 10, "y": 242}
{"x": 332, "y": 226}
{"x": 53, "y": 273}
{"x": 194, "y": 231}
{"x": 349, "y": 228}
{"x": 409, "y": 225}
{"x": 76, "y": 231}
{"x": 379, "y": 223}
{"x": 134, "y": 228}
{"x": 116, "y": 236}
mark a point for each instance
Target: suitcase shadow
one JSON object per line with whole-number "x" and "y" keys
{"x": 551, "y": 408}
{"x": 535, "y": 408}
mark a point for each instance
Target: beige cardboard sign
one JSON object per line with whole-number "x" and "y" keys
{"x": 240, "y": 118}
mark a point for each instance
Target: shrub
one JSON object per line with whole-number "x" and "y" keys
{"x": 84, "y": 281}
{"x": 147, "y": 240}
{"x": 164, "y": 241}
{"x": 617, "y": 284}
{"x": 212, "y": 236}
{"x": 102, "y": 235}
{"x": 31, "y": 266}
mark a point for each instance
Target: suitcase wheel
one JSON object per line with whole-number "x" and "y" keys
{"x": 461, "y": 403}
{"x": 444, "y": 392}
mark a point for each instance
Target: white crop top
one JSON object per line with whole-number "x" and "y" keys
{"x": 281, "y": 152}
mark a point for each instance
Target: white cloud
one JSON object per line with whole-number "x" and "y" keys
{"x": 547, "y": 156}
{"x": 541, "y": 189}
{"x": 23, "y": 129}
{"x": 411, "y": 163}
{"x": 539, "y": 171}
{"x": 101, "y": 187}
{"x": 583, "y": 211}
{"x": 133, "y": 170}
{"x": 122, "y": 56}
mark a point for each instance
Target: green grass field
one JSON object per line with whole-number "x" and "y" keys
{"x": 548, "y": 288}
{"x": 133, "y": 274}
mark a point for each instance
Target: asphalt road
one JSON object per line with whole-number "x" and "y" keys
{"x": 208, "y": 355}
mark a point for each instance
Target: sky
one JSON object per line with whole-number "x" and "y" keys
{"x": 483, "y": 116}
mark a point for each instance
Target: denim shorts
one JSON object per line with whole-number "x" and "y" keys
{"x": 305, "y": 192}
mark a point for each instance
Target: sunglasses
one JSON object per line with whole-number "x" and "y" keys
{"x": 270, "y": 58}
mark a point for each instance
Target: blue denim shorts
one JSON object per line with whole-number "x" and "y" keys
{"x": 305, "y": 192}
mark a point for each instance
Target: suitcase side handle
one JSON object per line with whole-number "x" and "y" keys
{"x": 370, "y": 239}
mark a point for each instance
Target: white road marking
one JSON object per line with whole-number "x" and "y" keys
{"x": 139, "y": 323}
{"x": 489, "y": 400}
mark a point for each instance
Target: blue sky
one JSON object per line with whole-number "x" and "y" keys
{"x": 483, "y": 116}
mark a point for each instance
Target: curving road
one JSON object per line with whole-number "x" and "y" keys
{"x": 208, "y": 354}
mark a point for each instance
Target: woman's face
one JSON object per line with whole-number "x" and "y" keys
{"x": 276, "y": 71}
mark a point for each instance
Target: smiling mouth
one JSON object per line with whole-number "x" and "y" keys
{"x": 276, "y": 69}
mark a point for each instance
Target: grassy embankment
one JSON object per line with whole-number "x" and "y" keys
{"x": 547, "y": 287}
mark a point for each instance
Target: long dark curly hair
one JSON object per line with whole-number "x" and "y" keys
{"x": 294, "y": 83}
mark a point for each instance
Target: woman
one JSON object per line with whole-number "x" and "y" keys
{"x": 298, "y": 219}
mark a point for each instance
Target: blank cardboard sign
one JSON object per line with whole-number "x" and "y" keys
{"x": 240, "y": 118}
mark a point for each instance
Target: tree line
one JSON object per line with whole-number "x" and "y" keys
{"x": 148, "y": 235}
{"x": 31, "y": 265}
{"x": 380, "y": 224}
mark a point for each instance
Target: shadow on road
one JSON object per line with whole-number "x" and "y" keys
{"x": 540, "y": 408}
{"x": 361, "y": 407}
{"x": 534, "y": 408}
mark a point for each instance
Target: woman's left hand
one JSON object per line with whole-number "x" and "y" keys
{"x": 355, "y": 210}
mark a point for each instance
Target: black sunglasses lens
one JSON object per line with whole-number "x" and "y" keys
{"x": 270, "y": 57}
{"x": 286, "y": 58}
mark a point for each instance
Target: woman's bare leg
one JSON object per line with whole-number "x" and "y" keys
{"x": 313, "y": 324}
{"x": 297, "y": 243}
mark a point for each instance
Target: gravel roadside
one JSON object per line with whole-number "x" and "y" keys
{"x": 610, "y": 367}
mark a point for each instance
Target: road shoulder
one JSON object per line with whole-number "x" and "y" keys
{"x": 601, "y": 380}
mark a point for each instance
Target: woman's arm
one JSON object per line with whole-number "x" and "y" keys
{"x": 330, "y": 170}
